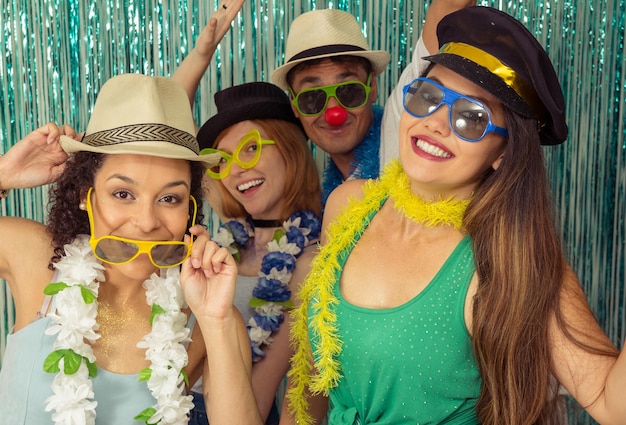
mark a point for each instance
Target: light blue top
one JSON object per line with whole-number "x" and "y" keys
{"x": 24, "y": 386}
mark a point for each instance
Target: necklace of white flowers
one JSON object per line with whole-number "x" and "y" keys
{"x": 72, "y": 357}
{"x": 271, "y": 295}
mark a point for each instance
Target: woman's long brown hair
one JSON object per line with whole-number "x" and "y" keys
{"x": 520, "y": 265}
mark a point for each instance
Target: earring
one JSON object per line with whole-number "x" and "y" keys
{"x": 82, "y": 206}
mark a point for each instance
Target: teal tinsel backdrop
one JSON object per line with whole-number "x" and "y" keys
{"x": 55, "y": 55}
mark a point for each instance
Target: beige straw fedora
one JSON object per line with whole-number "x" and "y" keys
{"x": 143, "y": 115}
{"x": 324, "y": 33}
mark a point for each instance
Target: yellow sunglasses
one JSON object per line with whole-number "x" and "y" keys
{"x": 118, "y": 250}
{"x": 246, "y": 155}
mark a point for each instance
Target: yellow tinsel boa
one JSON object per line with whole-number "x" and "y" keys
{"x": 317, "y": 290}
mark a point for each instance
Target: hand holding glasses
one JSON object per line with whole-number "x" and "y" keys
{"x": 350, "y": 95}
{"x": 118, "y": 250}
{"x": 246, "y": 154}
{"x": 469, "y": 119}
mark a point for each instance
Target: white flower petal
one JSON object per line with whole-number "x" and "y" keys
{"x": 75, "y": 325}
{"x": 270, "y": 309}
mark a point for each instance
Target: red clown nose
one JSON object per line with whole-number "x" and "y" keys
{"x": 335, "y": 115}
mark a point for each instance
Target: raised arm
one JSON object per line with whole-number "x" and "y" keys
{"x": 196, "y": 63}
{"x": 35, "y": 160}
{"x": 25, "y": 249}
{"x": 425, "y": 45}
{"x": 208, "y": 279}
{"x": 436, "y": 11}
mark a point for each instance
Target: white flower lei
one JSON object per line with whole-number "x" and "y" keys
{"x": 73, "y": 360}
{"x": 270, "y": 299}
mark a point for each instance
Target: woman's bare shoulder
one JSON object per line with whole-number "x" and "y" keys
{"x": 21, "y": 224}
{"x": 352, "y": 189}
{"x": 25, "y": 237}
{"x": 24, "y": 264}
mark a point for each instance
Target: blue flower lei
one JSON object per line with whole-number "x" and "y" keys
{"x": 271, "y": 295}
{"x": 366, "y": 162}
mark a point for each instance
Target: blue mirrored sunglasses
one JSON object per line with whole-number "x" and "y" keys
{"x": 469, "y": 119}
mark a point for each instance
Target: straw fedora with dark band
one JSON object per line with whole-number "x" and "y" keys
{"x": 497, "y": 52}
{"x": 325, "y": 33}
{"x": 143, "y": 115}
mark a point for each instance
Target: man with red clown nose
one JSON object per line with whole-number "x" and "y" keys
{"x": 330, "y": 74}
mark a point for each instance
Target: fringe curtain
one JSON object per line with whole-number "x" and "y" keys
{"x": 55, "y": 55}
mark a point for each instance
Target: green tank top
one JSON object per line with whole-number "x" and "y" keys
{"x": 412, "y": 364}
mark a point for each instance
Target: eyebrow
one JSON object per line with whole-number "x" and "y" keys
{"x": 128, "y": 180}
{"x": 313, "y": 79}
{"x": 482, "y": 100}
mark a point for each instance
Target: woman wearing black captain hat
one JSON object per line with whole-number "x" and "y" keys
{"x": 441, "y": 293}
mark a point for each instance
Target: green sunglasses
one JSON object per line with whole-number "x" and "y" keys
{"x": 349, "y": 94}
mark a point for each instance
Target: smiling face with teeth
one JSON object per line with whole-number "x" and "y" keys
{"x": 259, "y": 189}
{"x": 436, "y": 160}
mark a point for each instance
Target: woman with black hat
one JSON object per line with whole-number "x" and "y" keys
{"x": 268, "y": 185}
{"x": 441, "y": 293}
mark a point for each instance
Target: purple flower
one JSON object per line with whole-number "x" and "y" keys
{"x": 239, "y": 232}
{"x": 271, "y": 290}
{"x": 309, "y": 220}
{"x": 294, "y": 235}
{"x": 278, "y": 260}
{"x": 269, "y": 323}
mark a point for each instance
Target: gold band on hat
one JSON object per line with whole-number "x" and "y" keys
{"x": 496, "y": 67}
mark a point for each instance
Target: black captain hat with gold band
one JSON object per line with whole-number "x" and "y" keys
{"x": 495, "y": 51}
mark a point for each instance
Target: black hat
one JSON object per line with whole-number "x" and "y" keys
{"x": 249, "y": 101}
{"x": 495, "y": 51}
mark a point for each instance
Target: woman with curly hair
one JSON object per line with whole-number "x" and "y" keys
{"x": 103, "y": 334}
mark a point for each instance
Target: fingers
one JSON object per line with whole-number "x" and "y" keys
{"x": 217, "y": 27}
{"x": 44, "y": 135}
{"x": 52, "y": 132}
{"x": 198, "y": 230}
{"x": 221, "y": 259}
{"x": 53, "y": 138}
{"x": 69, "y": 131}
{"x": 207, "y": 255}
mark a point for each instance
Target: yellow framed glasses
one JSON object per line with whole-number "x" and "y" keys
{"x": 246, "y": 155}
{"x": 118, "y": 250}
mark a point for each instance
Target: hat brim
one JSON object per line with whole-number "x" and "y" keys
{"x": 494, "y": 85}
{"x": 211, "y": 129}
{"x": 487, "y": 80}
{"x": 161, "y": 149}
{"x": 378, "y": 58}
